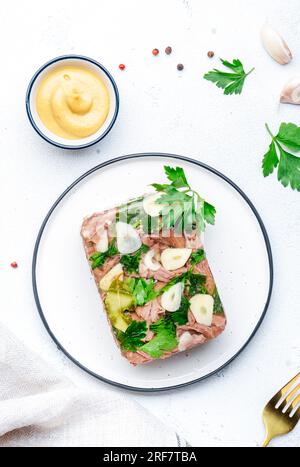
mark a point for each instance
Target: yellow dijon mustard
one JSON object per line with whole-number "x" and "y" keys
{"x": 72, "y": 102}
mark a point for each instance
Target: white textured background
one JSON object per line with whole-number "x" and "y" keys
{"x": 161, "y": 110}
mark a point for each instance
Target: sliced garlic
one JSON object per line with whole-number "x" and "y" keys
{"x": 175, "y": 258}
{"x": 171, "y": 299}
{"x": 102, "y": 244}
{"x": 151, "y": 206}
{"x": 274, "y": 44}
{"x": 202, "y": 307}
{"x": 128, "y": 239}
{"x": 184, "y": 341}
{"x": 290, "y": 93}
{"x": 107, "y": 280}
{"x": 149, "y": 263}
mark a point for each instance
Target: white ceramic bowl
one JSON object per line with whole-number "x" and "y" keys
{"x": 38, "y": 124}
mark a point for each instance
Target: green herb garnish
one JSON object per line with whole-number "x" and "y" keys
{"x": 164, "y": 340}
{"x": 142, "y": 290}
{"x": 131, "y": 339}
{"x": 197, "y": 257}
{"x": 218, "y": 307}
{"x": 195, "y": 283}
{"x": 233, "y": 82}
{"x": 183, "y": 208}
{"x": 98, "y": 259}
{"x": 131, "y": 263}
{"x": 288, "y": 164}
{"x": 180, "y": 316}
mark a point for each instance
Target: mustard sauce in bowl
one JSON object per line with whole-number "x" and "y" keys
{"x": 72, "y": 102}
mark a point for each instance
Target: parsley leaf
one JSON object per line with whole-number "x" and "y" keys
{"x": 180, "y": 316}
{"x": 183, "y": 209}
{"x": 232, "y": 83}
{"x": 209, "y": 213}
{"x": 164, "y": 340}
{"x": 142, "y": 290}
{"x": 270, "y": 160}
{"x": 289, "y": 170}
{"x": 289, "y": 135}
{"x": 197, "y": 257}
{"x": 177, "y": 177}
{"x": 196, "y": 284}
{"x": 131, "y": 263}
{"x": 131, "y": 339}
{"x": 98, "y": 259}
{"x": 218, "y": 307}
{"x": 288, "y": 164}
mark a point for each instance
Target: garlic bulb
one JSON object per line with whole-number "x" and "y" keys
{"x": 290, "y": 93}
{"x": 274, "y": 44}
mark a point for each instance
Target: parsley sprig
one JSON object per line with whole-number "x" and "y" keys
{"x": 180, "y": 316}
{"x": 233, "y": 82}
{"x": 197, "y": 256}
{"x": 288, "y": 164}
{"x": 98, "y": 259}
{"x": 142, "y": 290}
{"x": 193, "y": 283}
{"x": 164, "y": 339}
{"x": 131, "y": 263}
{"x": 183, "y": 208}
{"x": 133, "y": 337}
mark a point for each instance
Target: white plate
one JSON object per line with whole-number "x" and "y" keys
{"x": 238, "y": 251}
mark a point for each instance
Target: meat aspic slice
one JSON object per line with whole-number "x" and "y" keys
{"x": 157, "y": 288}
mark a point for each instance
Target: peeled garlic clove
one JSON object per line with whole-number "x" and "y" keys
{"x": 151, "y": 206}
{"x": 274, "y": 44}
{"x": 202, "y": 307}
{"x": 171, "y": 299}
{"x": 149, "y": 263}
{"x": 128, "y": 239}
{"x": 175, "y": 258}
{"x": 290, "y": 93}
{"x": 107, "y": 280}
{"x": 102, "y": 243}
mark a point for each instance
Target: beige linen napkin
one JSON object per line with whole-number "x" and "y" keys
{"x": 39, "y": 407}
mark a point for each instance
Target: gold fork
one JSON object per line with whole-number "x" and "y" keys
{"x": 277, "y": 417}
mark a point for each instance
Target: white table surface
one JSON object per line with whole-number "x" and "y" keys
{"x": 170, "y": 111}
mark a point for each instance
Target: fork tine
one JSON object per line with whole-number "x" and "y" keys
{"x": 293, "y": 405}
{"x": 290, "y": 384}
{"x": 292, "y": 394}
{"x": 283, "y": 391}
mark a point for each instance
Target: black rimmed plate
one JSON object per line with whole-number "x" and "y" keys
{"x": 237, "y": 247}
{"x": 38, "y": 125}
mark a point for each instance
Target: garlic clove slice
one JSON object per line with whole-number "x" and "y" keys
{"x": 107, "y": 280}
{"x": 151, "y": 206}
{"x": 171, "y": 299}
{"x": 102, "y": 243}
{"x": 175, "y": 258}
{"x": 290, "y": 93}
{"x": 274, "y": 44}
{"x": 202, "y": 307}
{"x": 149, "y": 263}
{"x": 184, "y": 340}
{"x": 128, "y": 239}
